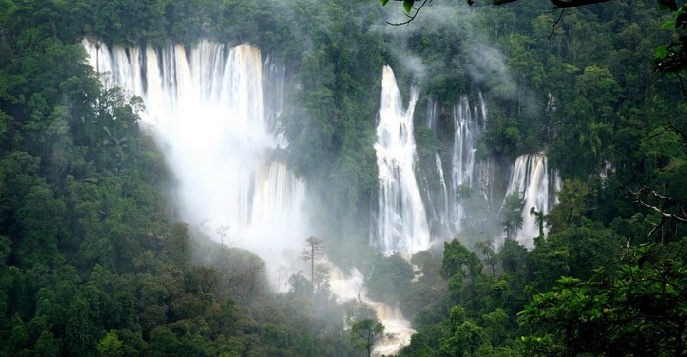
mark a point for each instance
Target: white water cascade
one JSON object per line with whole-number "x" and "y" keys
{"x": 205, "y": 107}
{"x": 444, "y": 190}
{"x": 432, "y": 109}
{"x": 469, "y": 125}
{"x": 434, "y": 183}
{"x": 401, "y": 224}
{"x": 532, "y": 177}
{"x": 397, "y": 330}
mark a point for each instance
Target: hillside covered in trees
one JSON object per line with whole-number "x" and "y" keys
{"x": 97, "y": 260}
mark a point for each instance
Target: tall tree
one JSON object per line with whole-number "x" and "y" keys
{"x": 511, "y": 213}
{"x": 312, "y": 250}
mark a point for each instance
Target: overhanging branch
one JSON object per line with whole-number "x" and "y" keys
{"x": 575, "y": 3}
{"x": 561, "y": 4}
{"x": 660, "y": 209}
{"x": 410, "y": 17}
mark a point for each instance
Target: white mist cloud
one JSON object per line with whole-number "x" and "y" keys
{"x": 487, "y": 64}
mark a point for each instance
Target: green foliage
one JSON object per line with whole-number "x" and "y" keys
{"x": 423, "y": 301}
{"x": 575, "y": 200}
{"x": 330, "y": 130}
{"x": 458, "y": 260}
{"x": 388, "y": 278}
{"x": 91, "y": 263}
{"x": 461, "y": 268}
{"x": 634, "y": 310}
{"x": 465, "y": 339}
{"x": 111, "y": 346}
{"x": 512, "y": 256}
{"x": 511, "y": 213}
{"x": 672, "y": 58}
{"x": 365, "y": 333}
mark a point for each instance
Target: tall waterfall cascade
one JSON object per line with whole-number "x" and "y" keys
{"x": 401, "y": 225}
{"x": 467, "y": 170}
{"x": 532, "y": 177}
{"x": 435, "y": 183}
{"x": 205, "y": 106}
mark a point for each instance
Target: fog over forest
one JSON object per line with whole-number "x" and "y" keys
{"x": 321, "y": 178}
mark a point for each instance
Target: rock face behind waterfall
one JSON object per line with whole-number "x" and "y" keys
{"x": 467, "y": 171}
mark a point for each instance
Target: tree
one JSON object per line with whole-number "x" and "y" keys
{"x": 639, "y": 309}
{"x": 388, "y": 278}
{"x": 512, "y": 256}
{"x": 575, "y": 201}
{"x": 489, "y": 254}
{"x": 670, "y": 58}
{"x": 511, "y": 213}
{"x": 464, "y": 339}
{"x": 539, "y": 218}
{"x": 312, "y": 250}
{"x": 458, "y": 264}
{"x": 223, "y": 232}
{"x": 409, "y": 5}
{"x": 111, "y": 346}
{"x": 365, "y": 333}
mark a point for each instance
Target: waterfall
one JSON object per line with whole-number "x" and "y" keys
{"x": 532, "y": 176}
{"x": 432, "y": 107}
{"x": 274, "y": 86}
{"x": 401, "y": 224}
{"x": 444, "y": 191}
{"x": 205, "y": 107}
{"x": 466, "y": 170}
{"x": 397, "y": 330}
{"x": 436, "y": 190}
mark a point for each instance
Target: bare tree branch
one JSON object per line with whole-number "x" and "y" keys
{"x": 680, "y": 132}
{"x": 660, "y": 209}
{"x": 555, "y": 23}
{"x": 575, "y": 3}
{"x": 410, "y": 17}
{"x": 559, "y": 4}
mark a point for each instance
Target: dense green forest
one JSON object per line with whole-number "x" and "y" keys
{"x": 94, "y": 260}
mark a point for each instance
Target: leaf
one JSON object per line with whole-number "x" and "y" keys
{"x": 90, "y": 180}
{"x": 670, "y": 24}
{"x": 661, "y": 52}
{"x": 599, "y": 270}
{"x": 408, "y": 5}
{"x": 383, "y": 2}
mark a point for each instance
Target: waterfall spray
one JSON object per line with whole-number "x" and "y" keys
{"x": 205, "y": 107}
